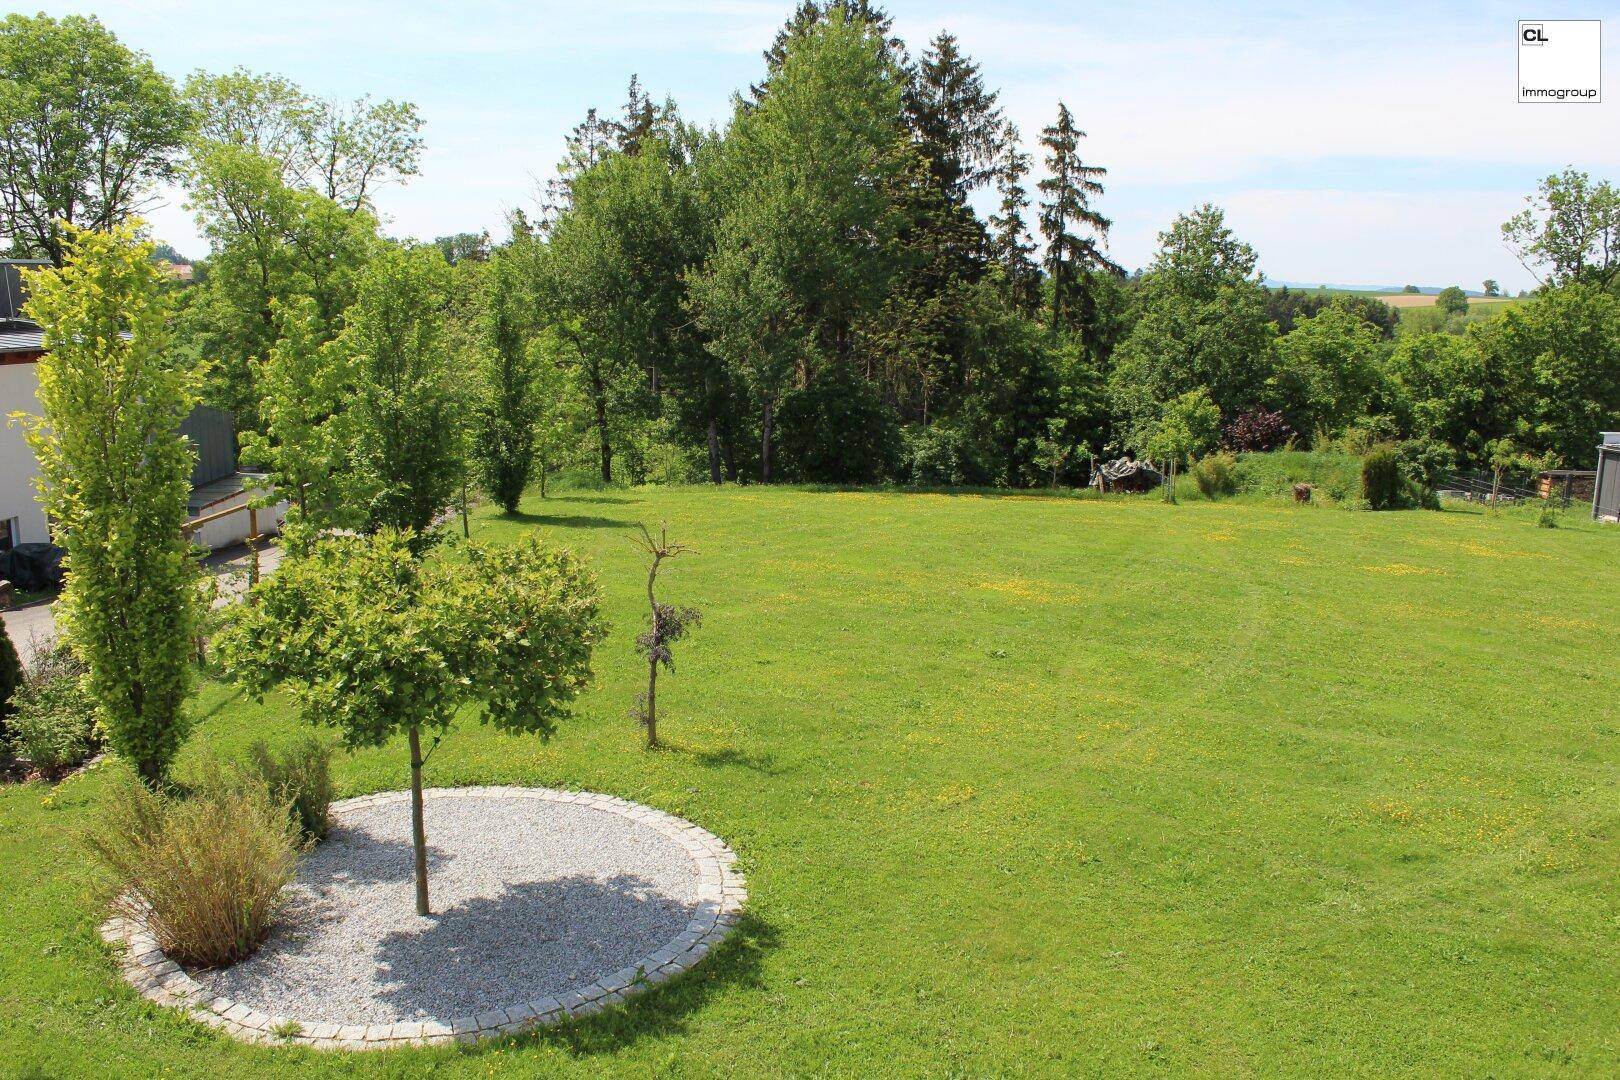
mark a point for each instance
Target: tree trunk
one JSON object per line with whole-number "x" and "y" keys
{"x": 765, "y": 447}
{"x": 1170, "y": 488}
{"x": 599, "y": 400}
{"x": 652, "y": 661}
{"x": 607, "y": 446}
{"x": 1496, "y": 484}
{"x": 714, "y": 435}
{"x": 652, "y": 703}
{"x": 728, "y": 454}
{"x": 466, "y": 526}
{"x": 418, "y": 831}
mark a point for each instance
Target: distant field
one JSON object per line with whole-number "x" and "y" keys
{"x": 1408, "y": 300}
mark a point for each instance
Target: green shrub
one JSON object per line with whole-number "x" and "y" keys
{"x": 934, "y": 456}
{"x": 1381, "y": 481}
{"x": 53, "y": 724}
{"x": 1425, "y": 465}
{"x": 203, "y": 873}
{"x": 652, "y": 452}
{"x": 1216, "y": 474}
{"x": 1548, "y": 516}
{"x": 299, "y": 777}
{"x": 1360, "y": 437}
{"x": 837, "y": 430}
{"x": 11, "y": 675}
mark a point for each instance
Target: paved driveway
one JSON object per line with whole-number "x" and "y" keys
{"x": 33, "y": 626}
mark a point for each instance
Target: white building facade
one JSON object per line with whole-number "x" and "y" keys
{"x": 22, "y": 519}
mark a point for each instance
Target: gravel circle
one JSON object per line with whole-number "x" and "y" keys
{"x": 545, "y": 904}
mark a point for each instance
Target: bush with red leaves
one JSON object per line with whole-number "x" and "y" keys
{"x": 1255, "y": 430}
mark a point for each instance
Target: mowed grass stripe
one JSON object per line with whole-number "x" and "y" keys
{"x": 1042, "y": 785}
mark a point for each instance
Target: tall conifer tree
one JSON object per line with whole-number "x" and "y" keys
{"x": 1075, "y": 232}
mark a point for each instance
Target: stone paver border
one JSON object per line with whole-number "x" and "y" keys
{"x": 721, "y": 895}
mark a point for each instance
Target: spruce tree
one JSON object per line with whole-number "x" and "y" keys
{"x": 640, "y": 118}
{"x": 956, "y": 132}
{"x": 813, "y": 13}
{"x": 1066, "y": 211}
{"x": 1012, "y": 248}
{"x": 954, "y": 119}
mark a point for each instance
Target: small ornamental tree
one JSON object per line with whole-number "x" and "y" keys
{"x": 1186, "y": 429}
{"x": 1052, "y": 450}
{"x": 376, "y": 642}
{"x": 1508, "y": 455}
{"x": 666, "y": 624}
{"x": 115, "y": 475}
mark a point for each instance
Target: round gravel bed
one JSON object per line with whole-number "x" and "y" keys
{"x": 547, "y": 904}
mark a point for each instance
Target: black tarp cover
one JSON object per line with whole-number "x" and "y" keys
{"x": 32, "y": 567}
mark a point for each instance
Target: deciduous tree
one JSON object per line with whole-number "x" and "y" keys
{"x": 405, "y": 461}
{"x": 303, "y": 388}
{"x": 1187, "y": 427}
{"x": 507, "y": 406}
{"x": 1200, "y": 322}
{"x": 87, "y": 129}
{"x": 1563, "y": 349}
{"x": 375, "y": 642}
{"x": 1328, "y": 370}
{"x": 1570, "y": 230}
{"x": 1452, "y": 301}
{"x": 115, "y": 478}
{"x": 805, "y": 244}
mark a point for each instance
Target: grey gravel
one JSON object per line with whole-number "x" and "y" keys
{"x": 531, "y": 899}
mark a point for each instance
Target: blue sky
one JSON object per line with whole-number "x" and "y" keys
{"x": 1369, "y": 143}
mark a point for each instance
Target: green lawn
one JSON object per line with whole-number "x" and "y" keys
{"x": 1034, "y": 786}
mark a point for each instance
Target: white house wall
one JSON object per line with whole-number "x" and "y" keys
{"x": 19, "y": 384}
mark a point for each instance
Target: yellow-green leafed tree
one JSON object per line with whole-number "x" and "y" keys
{"x": 115, "y": 475}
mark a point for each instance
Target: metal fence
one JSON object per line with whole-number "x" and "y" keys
{"x": 1478, "y": 486}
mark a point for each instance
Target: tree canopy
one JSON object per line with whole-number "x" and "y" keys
{"x": 88, "y": 127}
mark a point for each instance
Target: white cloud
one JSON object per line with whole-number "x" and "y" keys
{"x": 1310, "y": 122}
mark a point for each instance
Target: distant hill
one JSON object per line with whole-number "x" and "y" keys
{"x": 1363, "y": 290}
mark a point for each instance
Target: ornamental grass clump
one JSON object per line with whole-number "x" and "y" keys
{"x": 298, "y": 777}
{"x": 1216, "y": 474}
{"x": 205, "y": 873}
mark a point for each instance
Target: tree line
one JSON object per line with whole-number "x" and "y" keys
{"x": 807, "y": 293}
